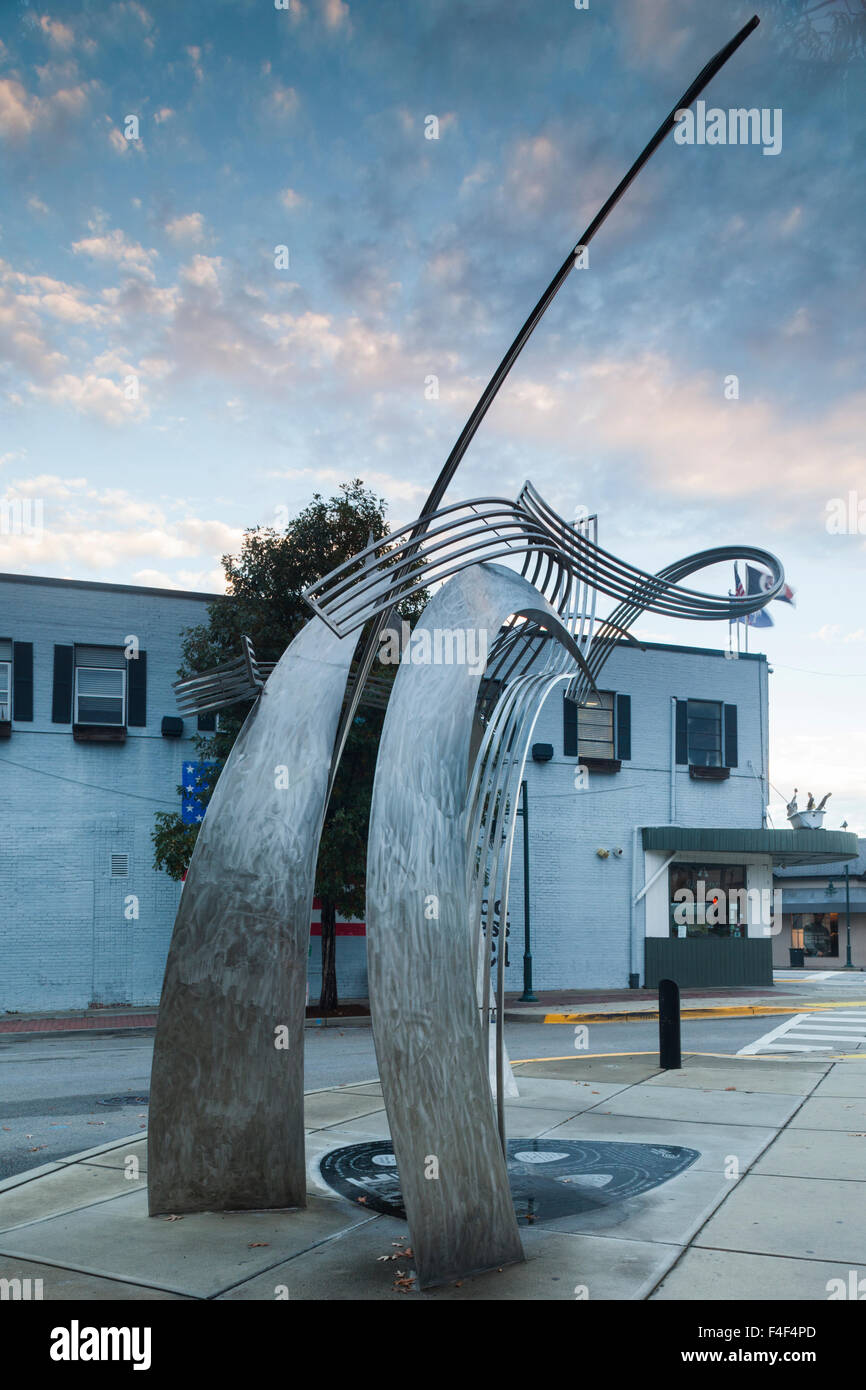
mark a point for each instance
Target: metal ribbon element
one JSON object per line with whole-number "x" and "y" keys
{"x": 226, "y": 1128}
{"x": 449, "y": 468}
{"x": 431, "y": 1041}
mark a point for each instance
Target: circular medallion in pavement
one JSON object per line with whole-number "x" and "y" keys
{"x": 549, "y": 1178}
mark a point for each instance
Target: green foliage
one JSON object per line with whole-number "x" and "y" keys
{"x": 265, "y": 584}
{"x": 173, "y": 843}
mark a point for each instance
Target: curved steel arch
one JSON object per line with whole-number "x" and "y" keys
{"x": 226, "y": 1125}
{"x": 431, "y": 1043}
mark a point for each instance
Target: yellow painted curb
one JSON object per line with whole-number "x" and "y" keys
{"x": 722, "y": 1011}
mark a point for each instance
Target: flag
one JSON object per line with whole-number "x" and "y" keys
{"x": 759, "y": 581}
{"x": 195, "y": 780}
{"x": 753, "y": 579}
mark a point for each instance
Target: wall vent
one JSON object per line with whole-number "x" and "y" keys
{"x": 119, "y": 865}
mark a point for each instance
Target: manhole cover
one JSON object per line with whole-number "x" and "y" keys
{"x": 124, "y": 1100}
{"x": 549, "y": 1178}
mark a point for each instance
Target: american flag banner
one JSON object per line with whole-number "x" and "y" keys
{"x": 755, "y": 585}
{"x": 194, "y": 781}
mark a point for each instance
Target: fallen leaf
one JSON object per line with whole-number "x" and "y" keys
{"x": 730, "y": 1088}
{"x": 258, "y": 1244}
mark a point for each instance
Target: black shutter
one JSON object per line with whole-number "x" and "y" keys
{"x": 136, "y": 691}
{"x": 623, "y": 726}
{"x": 730, "y": 736}
{"x": 22, "y": 680}
{"x": 569, "y": 728}
{"x": 207, "y": 723}
{"x": 61, "y": 698}
{"x": 682, "y": 752}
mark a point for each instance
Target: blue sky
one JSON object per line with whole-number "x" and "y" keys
{"x": 153, "y": 259}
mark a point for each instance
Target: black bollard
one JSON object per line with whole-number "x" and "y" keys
{"x": 670, "y": 1052}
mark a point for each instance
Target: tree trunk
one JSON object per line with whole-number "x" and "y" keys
{"x": 328, "y": 999}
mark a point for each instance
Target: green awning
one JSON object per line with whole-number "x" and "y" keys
{"x": 783, "y": 846}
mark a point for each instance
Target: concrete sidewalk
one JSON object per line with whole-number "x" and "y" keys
{"x": 762, "y": 1195}
{"x": 99, "y": 1022}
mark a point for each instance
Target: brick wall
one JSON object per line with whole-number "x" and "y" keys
{"x": 67, "y": 934}
{"x": 579, "y": 904}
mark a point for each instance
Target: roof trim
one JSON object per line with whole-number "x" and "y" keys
{"x": 784, "y": 846}
{"x": 110, "y": 588}
{"x": 689, "y": 651}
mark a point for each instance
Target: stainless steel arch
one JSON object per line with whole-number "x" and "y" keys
{"x": 226, "y": 1100}
{"x": 430, "y": 1041}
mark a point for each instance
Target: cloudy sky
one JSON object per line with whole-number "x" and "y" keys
{"x": 165, "y": 383}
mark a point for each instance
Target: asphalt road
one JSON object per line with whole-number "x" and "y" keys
{"x": 59, "y": 1096}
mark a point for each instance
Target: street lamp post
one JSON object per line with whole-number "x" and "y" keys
{"x": 527, "y": 997}
{"x": 848, "y": 963}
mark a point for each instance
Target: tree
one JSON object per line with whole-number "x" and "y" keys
{"x": 266, "y": 582}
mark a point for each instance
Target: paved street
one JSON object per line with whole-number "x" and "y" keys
{"x": 61, "y": 1095}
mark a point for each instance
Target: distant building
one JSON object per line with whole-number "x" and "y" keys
{"x": 649, "y": 854}
{"x": 817, "y": 904}
{"x": 86, "y": 759}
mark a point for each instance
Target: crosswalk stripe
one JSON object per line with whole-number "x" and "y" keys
{"x": 840, "y": 1028}
{"x": 836, "y": 1037}
{"x": 812, "y": 1032}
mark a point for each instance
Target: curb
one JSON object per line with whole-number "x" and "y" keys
{"x": 30, "y": 1033}
{"x": 651, "y": 1015}
{"x": 353, "y": 1022}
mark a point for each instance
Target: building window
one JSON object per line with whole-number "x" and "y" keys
{"x": 708, "y": 900}
{"x": 5, "y": 681}
{"x": 819, "y": 935}
{"x": 100, "y": 686}
{"x": 704, "y": 733}
{"x": 598, "y": 732}
{"x": 595, "y": 737}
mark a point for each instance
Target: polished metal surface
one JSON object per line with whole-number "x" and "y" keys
{"x": 221, "y": 686}
{"x": 431, "y": 1038}
{"x": 226, "y": 1100}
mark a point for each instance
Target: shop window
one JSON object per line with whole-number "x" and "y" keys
{"x": 820, "y": 935}
{"x": 708, "y": 900}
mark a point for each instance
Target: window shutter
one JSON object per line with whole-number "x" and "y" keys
{"x": 569, "y": 728}
{"x": 623, "y": 726}
{"x": 730, "y": 736}
{"x": 136, "y": 692}
{"x": 22, "y": 680}
{"x": 682, "y": 733}
{"x": 61, "y": 698}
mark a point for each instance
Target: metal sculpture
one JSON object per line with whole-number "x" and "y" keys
{"x": 226, "y": 1096}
